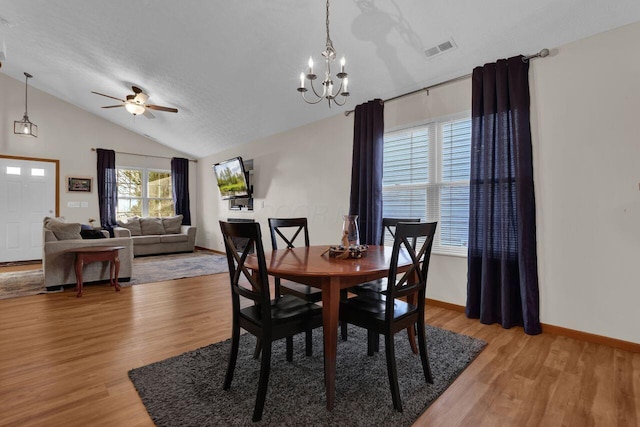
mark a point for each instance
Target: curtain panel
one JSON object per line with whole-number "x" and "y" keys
{"x": 366, "y": 170}
{"x": 502, "y": 282}
{"x": 180, "y": 186}
{"x": 107, "y": 188}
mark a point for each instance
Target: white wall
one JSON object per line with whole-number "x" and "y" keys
{"x": 67, "y": 133}
{"x": 585, "y": 106}
{"x": 586, "y": 110}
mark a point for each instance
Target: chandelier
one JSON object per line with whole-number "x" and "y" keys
{"x": 339, "y": 97}
{"x": 24, "y": 126}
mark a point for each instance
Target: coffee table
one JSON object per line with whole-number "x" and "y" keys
{"x": 91, "y": 254}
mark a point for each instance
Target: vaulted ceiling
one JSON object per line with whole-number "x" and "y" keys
{"x": 232, "y": 67}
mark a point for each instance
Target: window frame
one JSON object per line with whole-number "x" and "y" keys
{"x": 145, "y": 188}
{"x": 435, "y": 183}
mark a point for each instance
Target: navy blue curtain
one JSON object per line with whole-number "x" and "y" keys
{"x": 180, "y": 185}
{"x": 502, "y": 282}
{"x": 107, "y": 189}
{"x": 366, "y": 170}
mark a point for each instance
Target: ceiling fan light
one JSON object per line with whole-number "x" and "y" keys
{"x": 134, "y": 108}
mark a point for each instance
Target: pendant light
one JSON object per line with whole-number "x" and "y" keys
{"x": 25, "y": 127}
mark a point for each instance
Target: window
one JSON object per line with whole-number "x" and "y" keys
{"x": 144, "y": 192}
{"x": 426, "y": 176}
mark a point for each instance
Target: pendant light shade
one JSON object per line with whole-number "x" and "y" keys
{"x": 25, "y": 127}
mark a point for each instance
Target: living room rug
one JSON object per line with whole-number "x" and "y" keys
{"x": 186, "y": 390}
{"x": 145, "y": 270}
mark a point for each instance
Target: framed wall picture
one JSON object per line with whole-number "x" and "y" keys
{"x": 79, "y": 184}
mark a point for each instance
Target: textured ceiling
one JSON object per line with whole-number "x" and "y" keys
{"x": 232, "y": 67}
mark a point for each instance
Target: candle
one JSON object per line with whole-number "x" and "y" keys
{"x": 310, "y": 65}
{"x": 342, "y": 61}
{"x": 301, "y": 79}
{"x": 346, "y": 82}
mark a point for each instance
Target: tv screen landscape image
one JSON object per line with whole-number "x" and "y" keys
{"x": 232, "y": 179}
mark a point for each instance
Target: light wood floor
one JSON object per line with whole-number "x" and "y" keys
{"x": 64, "y": 361}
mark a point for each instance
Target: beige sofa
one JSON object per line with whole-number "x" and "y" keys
{"x": 152, "y": 235}
{"x": 58, "y": 266}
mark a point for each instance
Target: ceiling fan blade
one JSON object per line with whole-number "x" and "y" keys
{"x": 159, "y": 108}
{"x": 136, "y": 89}
{"x": 108, "y": 96}
{"x": 113, "y": 106}
{"x": 148, "y": 114}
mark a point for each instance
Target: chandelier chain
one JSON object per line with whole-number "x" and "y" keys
{"x": 329, "y": 42}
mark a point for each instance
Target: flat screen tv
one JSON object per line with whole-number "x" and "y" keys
{"x": 232, "y": 178}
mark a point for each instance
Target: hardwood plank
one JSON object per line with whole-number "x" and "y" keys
{"x": 64, "y": 361}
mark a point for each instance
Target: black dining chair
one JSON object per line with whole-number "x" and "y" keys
{"x": 298, "y": 228}
{"x": 378, "y": 287}
{"x": 269, "y": 320}
{"x": 295, "y": 226}
{"x": 389, "y": 315}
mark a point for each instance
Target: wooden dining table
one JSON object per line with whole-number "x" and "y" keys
{"x": 312, "y": 266}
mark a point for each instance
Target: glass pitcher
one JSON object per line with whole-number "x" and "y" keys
{"x": 350, "y": 233}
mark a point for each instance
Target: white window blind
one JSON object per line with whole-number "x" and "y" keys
{"x": 426, "y": 176}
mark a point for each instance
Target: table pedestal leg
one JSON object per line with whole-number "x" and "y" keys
{"x": 330, "y": 315}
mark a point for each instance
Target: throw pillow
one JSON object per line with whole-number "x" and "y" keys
{"x": 48, "y": 220}
{"x": 151, "y": 226}
{"x": 133, "y": 225}
{"x": 91, "y": 234}
{"x": 172, "y": 224}
{"x": 64, "y": 231}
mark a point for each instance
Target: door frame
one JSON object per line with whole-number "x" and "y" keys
{"x": 36, "y": 159}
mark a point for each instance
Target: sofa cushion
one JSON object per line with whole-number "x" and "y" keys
{"x": 151, "y": 226}
{"x": 174, "y": 238}
{"x": 133, "y": 225}
{"x": 146, "y": 240}
{"x": 64, "y": 231}
{"x": 172, "y": 224}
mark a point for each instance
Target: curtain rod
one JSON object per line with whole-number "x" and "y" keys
{"x": 543, "y": 53}
{"x": 146, "y": 155}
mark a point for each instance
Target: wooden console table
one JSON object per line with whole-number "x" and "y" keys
{"x": 97, "y": 253}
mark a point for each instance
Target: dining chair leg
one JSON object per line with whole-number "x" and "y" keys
{"x": 308, "y": 344}
{"x": 256, "y": 351}
{"x": 265, "y": 366}
{"x": 371, "y": 337}
{"x": 424, "y": 356}
{"x": 276, "y": 292}
{"x": 343, "y": 324}
{"x": 411, "y": 334}
{"x": 233, "y": 356}
{"x": 392, "y": 371}
{"x": 289, "y": 340}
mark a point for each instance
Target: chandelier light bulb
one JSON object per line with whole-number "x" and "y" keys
{"x": 25, "y": 130}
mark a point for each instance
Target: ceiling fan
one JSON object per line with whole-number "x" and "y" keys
{"x": 136, "y": 103}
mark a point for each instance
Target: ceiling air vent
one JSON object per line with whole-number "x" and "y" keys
{"x": 440, "y": 48}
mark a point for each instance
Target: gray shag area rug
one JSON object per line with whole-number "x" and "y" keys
{"x": 186, "y": 390}
{"x": 147, "y": 269}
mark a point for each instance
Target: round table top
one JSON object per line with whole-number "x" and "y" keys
{"x": 315, "y": 261}
{"x": 92, "y": 249}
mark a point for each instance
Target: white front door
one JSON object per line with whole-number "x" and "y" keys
{"x": 27, "y": 195}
